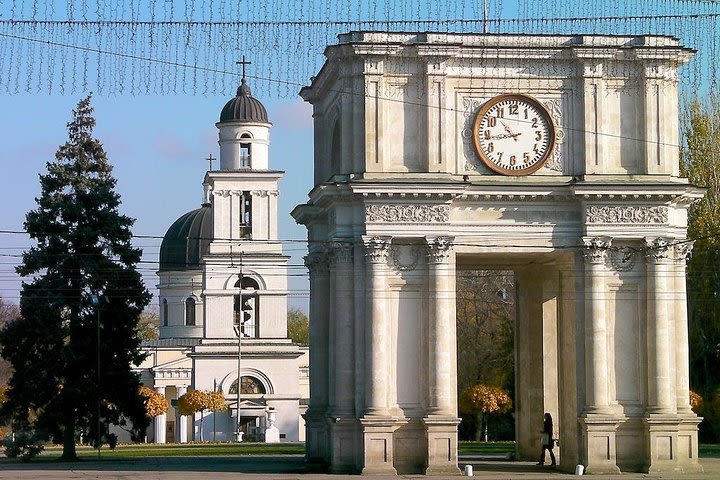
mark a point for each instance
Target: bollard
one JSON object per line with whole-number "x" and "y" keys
{"x": 579, "y": 470}
{"x": 468, "y": 471}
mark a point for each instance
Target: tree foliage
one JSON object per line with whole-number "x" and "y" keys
{"x": 82, "y": 248}
{"x": 700, "y": 163}
{"x": 484, "y": 401}
{"x": 485, "y": 328}
{"x": 155, "y": 402}
{"x": 8, "y": 313}
{"x": 298, "y": 326}
{"x": 193, "y": 401}
{"x": 216, "y": 402}
{"x": 697, "y": 403}
{"x": 148, "y": 327}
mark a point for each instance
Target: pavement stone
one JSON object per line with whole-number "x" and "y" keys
{"x": 289, "y": 467}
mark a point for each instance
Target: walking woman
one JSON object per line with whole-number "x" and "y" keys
{"x": 547, "y": 440}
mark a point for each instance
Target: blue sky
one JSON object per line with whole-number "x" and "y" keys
{"x": 157, "y": 147}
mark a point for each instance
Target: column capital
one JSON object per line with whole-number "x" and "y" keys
{"x": 377, "y": 249}
{"x": 595, "y": 249}
{"x": 658, "y": 249}
{"x": 316, "y": 261}
{"x": 683, "y": 251}
{"x": 341, "y": 252}
{"x": 439, "y": 249}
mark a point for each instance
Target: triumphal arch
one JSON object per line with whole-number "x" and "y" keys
{"x": 553, "y": 156}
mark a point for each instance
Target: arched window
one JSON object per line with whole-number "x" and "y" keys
{"x": 165, "y": 312}
{"x": 245, "y": 152}
{"x": 336, "y": 150}
{"x": 248, "y": 385}
{"x": 190, "y": 311}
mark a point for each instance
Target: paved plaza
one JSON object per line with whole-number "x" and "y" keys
{"x": 270, "y": 467}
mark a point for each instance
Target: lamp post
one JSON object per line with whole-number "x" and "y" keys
{"x": 95, "y": 301}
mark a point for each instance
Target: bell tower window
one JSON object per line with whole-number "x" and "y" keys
{"x": 190, "y": 312}
{"x": 245, "y": 152}
{"x": 246, "y": 311}
{"x": 245, "y": 215}
{"x": 165, "y": 312}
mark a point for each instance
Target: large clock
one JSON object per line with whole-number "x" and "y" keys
{"x": 513, "y": 134}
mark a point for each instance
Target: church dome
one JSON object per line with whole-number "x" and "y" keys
{"x": 244, "y": 107}
{"x": 186, "y": 240}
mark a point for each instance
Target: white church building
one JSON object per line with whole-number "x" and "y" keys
{"x": 222, "y": 270}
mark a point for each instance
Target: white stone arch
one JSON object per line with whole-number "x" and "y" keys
{"x": 244, "y": 135}
{"x": 231, "y": 377}
{"x": 232, "y": 279}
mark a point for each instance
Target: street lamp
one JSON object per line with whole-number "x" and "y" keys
{"x": 95, "y": 301}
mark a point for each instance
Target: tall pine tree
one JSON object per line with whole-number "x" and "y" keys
{"x": 82, "y": 248}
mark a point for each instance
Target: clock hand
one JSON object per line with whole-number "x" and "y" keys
{"x": 506, "y": 135}
{"x": 509, "y": 131}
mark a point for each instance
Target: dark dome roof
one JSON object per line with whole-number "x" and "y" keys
{"x": 186, "y": 240}
{"x": 244, "y": 107}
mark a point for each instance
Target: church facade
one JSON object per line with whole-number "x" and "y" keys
{"x": 556, "y": 157}
{"x": 223, "y": 298}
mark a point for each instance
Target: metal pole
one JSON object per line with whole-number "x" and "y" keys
{"x": 98, "y": 379}
{"x": 239, "y": 335}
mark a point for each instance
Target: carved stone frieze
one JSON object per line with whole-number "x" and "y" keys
{"x": 377, "y": 249}
{"x": 595, "y": 249}
{"x": 439, "y": 249}
{"x": 407, "y": 213}
{"x": 626, "y": 214}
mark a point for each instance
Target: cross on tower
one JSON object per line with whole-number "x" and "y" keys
{"x": 242, "y": 63}
{"x": 210, "y": 159}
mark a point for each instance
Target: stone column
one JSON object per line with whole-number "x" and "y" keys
{"x": 687, "y": 457}
{"x": 378, "y": 423}
{"x": 661, "y": 385}
{"x": 661, "y": 419}
{"x": 181, "y": 420}
{"x": 160, "y": 421}
{"x": 682, "y": 355}
{"x": 599, "y": 423}
{"x": 596, "y": 354}
{"x": 441, "y": 421}
{"x": 377, "y": 348}
{"x": 315, "y": 425}
{"x": 342, "y": 409}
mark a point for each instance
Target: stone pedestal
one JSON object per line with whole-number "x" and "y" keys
{"x": 343, "y": 433}
{"x": 442, "y": 446}
{"x": 378, "y": 448}
{"x": 672, "y": 444}
{"x": 316, "y": 444}
{"x": 599, "y": 443}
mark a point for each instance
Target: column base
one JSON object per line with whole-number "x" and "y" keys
{"x": 316, "y": 435}
{"x": 672, "y": 443}
{"x": 599, "y": 443}
{"x": 342, "y": 432}
{"x": 378, "y": 448}
{"x": 442, "y": 445}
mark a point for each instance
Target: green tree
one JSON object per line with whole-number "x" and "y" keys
{"x": 82, "y": 248}
{"x": 298, "y": 327}
{"x": 700, "y": 163}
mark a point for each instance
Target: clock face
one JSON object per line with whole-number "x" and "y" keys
{"x": 513, "y": 134}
